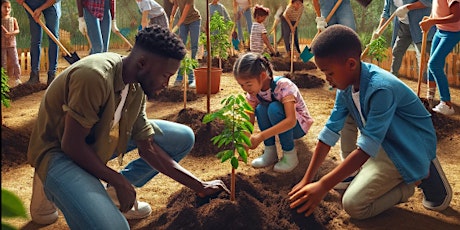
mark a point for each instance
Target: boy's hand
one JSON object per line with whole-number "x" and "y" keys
{"x": 307, "y": 198}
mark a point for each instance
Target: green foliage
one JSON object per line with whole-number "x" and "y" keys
{"x": 377, "y": 49}
{"x": 219, "y": 36}
{"x": 187, "y": 65}
{"x": 5, "y": 89}
{"x": 234, "y": 114}
{"x": 12, "y": 206}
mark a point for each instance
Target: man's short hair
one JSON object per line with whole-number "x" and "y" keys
{"x": 159, "y": 40}
{"x": 337, "y": 41}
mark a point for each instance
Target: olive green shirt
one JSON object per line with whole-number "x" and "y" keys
{"x": 89, "y": 91}
{"x": 193, "y": 13}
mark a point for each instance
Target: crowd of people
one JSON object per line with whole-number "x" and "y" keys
{"x": 79, "y": 129}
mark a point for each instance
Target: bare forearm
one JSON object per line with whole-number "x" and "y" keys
{"x": 267, "y": 43}
{"x": 317, "y": 159}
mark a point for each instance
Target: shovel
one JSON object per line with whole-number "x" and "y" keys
{"x": 423, "y": 61}
{"x": 379, "y": 32}
{"x": 306, "y": 54}
{"x": 275, "y": 23}
{"x": 70, "y": 58}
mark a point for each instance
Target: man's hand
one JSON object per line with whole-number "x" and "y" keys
{"x": 213, "y": 187}
{"x": 321, "y": 23}
{"x": 36, "y": 14}
{"x": 307, "y": 198}
{"x": 82, "y": 25}
{"x": 114, "y": 26}
{"x": 126, "y": 194}
{"x": 375, "y": 34}
{"x": 401, "y": 12}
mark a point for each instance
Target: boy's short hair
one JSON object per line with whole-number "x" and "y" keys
{"x": 161, "y": 41}
{"x": 338, "y": 42}
{"x": 260, "y": 10}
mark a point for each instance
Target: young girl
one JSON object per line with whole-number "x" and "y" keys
{"x": 258, "y": 31}
{"x": 445, "y": 14}
{"x": 279, "y": 109}
{"x": 289, "y": 22}
{"x": 152, "y": 13}
{"x": 10, "y": 29}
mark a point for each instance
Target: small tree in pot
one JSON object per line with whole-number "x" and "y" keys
{"x": 234, "y": 114}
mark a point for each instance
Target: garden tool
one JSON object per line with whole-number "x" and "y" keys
{"x": 292, "y": 50}
{"x": 379, "y": 32}
{"x": 124, "y": 39}
{"x": 306, "y": 54}
{"x": 275, "y": 23}
{"x": 423, "y": 61}
{"x": 70, "y": 58}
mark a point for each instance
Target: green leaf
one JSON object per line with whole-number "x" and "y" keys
{"x": 12, "y": 206}
{"x": 243, "y": 154}
{"x": 234, "y": 162}
{"x": 246, "y": 139}
{"x": 227, "y": 155}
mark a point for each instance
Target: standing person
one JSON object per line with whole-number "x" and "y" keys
{"x": 445, "y": 15}
{"x": 406, "y": 28}
{"x": 259, "y": 33}
{"x": 396, "y": 149}
{"x": 216, "y": 6}
{"x": 279, "y": 108}
{"x": 152, "y": 13}
{"x": 96, "y": 111}
{"x": 95, "y": 19}
{"x": 189, "y": 23}
{"x": 289, "y": 22}
{"x": 10, "y": 29}
{"x": 51, "y": 9}
{"x": 242, "y": 8}
{"x": 343, "y": 15}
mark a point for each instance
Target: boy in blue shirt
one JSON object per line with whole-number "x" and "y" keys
{"x": 396, "y": 150}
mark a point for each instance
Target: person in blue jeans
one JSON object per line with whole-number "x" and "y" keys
{"x": 95, "y": 111}
{"x": 396, "y": 149}
{"x": 343, "y": 15}
{"x": 188, "y": 23}
{"x": 279, "y": 108}
{"x": 95, "y": 19}
{"x": 242, "y": 8}
{"x": 51, "y": 10}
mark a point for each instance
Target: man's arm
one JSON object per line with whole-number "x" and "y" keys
{"x": 74, "y": 145}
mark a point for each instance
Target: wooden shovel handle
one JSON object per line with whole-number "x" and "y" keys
{"x": 422, "y": 61}
{"x": 50, "y": 34}
{"x": 124, "y": 39}
{"x": 329, "y": 16}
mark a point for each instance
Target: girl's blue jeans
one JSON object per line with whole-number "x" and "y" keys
{"x": 82, "y": 198}
{"x": 272, "y": 114}
{"x": 247, "y": 15}
{"x": 52, "y": 15}
{"x": 99, "y": 29}
{"x": 443, "y": 42}
{"x": 194, "y": 30}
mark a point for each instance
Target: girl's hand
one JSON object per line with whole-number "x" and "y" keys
{"x": 256, "y": 139}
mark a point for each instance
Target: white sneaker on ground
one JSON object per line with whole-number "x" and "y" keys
{"x": 17, "y": 82}
{"x": 288, "y": 162}
{"x": 268, "y": 158}
{"x": 443, "y": 108}
{"x": 42, "y": 210}
{"x": 140, "y": 209}
{"x": 192, "y": 85}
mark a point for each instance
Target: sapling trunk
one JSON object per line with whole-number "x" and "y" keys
{"x": 232, "y": 185}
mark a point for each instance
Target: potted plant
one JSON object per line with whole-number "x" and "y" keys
{"x": 237, "y": 126}
{"x": 186, "y": 66}
{"x": 219, "y": 37}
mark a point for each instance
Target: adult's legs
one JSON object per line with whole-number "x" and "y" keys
{"x": 194, "y": 36}
{"x": 402, "y": 42}
{"x": 184, "y": 30}
{"x": 94, "y": 32}
{"x": 80, "y": 196}
{"x": 52, "y": 15}
{"x": 36, "y": 33}
{"x": 177, "y": 140}
{"x": 344, "y": 14}
{"x": 286, "y": 31}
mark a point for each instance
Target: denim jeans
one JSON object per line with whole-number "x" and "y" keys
{"x": 344, "y": 14}
{"x": 286, "y": 31}
{"x": 443, "y": 42}
{"x": 82, "y": 198}
{"x": 52, "y": 15}
{"x": 194, "y": 30}
{"x": 272, "y": 114}
{"x": 99, "y": 30}
{"x": 247, "y": 15}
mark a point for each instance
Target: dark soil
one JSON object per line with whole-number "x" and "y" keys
{"x": 305, "y": 81}
{"x": 283, "y": 64}
{"x": 175, "y": 94}
{"x": 25, "y": 89}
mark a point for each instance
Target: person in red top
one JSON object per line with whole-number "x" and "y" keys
{"x": 95, "y": 19}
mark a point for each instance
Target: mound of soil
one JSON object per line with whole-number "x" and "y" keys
{"x": 25, "y": 89}
{"x": 175, "y": 94}
{"x": 306, "y": 81}
{"x": 258, "y": 204}
{"x": 14, "y": 147}
{"x": 284, "y": 64}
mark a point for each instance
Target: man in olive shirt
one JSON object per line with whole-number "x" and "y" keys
{"x": 95, "y": 111}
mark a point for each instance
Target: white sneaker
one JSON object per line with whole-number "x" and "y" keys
{"x": 443, "y": 108}
{"x": 140, "y": 209}
{"x": 192, "y": 85}
{"x": 17, "y": 82}
{"x": 268, "y": 158}
{"x": 288, "y": 162}
{"x": 42, "y": 210}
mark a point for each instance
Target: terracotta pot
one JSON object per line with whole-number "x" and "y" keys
{"x": 201, "y": 78}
